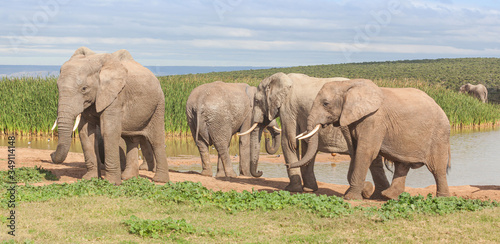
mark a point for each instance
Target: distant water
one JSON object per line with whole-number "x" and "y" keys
{"x": 53, "y": 70}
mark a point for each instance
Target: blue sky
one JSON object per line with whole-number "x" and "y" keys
{"x": 249, "y": 32}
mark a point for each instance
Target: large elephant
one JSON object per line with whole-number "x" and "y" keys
{"x": 215, "y": 112}
{"x": 404, "y": 125}
{"x": 290, "y": 96}
{"x": 478, "y": 91}
{"x": 120, "y": 96}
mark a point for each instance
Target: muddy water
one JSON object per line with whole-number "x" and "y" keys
{"x": 475, "y": 160}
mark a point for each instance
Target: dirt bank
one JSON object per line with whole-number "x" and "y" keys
{"x": 73, "y": 169}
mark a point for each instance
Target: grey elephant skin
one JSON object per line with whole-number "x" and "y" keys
{"x": 290, "y": 97}
{"x": 215, "y": 112}
{"x": 478, "y": 91}
{"x": 120, "y": 96}
{"x": 404, "y": 125}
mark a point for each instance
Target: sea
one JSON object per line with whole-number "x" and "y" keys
{"x": 53, "y": 70}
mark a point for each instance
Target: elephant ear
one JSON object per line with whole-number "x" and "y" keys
{"x": 362, "y": 98}
{"x": 85, "y": 51}
{"x": 112, "y": 79}
{"x": 276, "y": 91}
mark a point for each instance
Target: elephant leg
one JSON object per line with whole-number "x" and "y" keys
{"x": 157, "y": 141}
{"x": 205, "y": 157}
{"x": 220, "y": 168}
{"x": 123, "y": 154}
{"x": 379, "y": 178}
{"x": 244, "y": 151}
{"x": 438, "y": 166}
{"x": 307, "y": 172}
{"x": 398, "y": 181}
{"x": 88, "y": 141}
{"x": 222, "y": 147}
{"x": 147, "y": 153}
{"x": 294, "y": 174}
{"x": 132, "y": 158}
{"x": 111, "y": 134}
{"x": 366, "y": 152}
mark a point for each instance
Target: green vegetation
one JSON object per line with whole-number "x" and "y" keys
{"x": 33, "y": 108}
{"x": 28, "y": 175}
{"x": 139, "y": 211}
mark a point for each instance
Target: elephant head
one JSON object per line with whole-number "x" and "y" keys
{"x": 341, "y": 104}
{"x": 465, "y": 88}
{"x": 269, "y": 97}
{"x": 87, "y": 81}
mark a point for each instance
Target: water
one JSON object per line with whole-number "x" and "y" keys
{"x": 474, "y": 160}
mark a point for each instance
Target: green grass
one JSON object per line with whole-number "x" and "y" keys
{"x": 139, "y": 211}
{"x": 33, "y": 109}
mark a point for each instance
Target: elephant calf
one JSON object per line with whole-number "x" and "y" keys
{"x": 215, "y": 112}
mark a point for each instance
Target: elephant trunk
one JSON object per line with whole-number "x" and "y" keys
{"x": 255, "y": 137}
{"x": 272, "y": 148}
{"x": 312, "y": 146}
{"x": 65, "y": 129}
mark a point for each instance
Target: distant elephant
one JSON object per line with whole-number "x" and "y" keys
{"x": 290, "y": 96}
{"x": 404, "y": 125}
{"x": 120, "y": 96}
{"x": 478, "y": 91}
{"x": 215, "y": 112}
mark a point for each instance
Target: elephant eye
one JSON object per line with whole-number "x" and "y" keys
{"x": 325, "y": 104}
{"x": 84, "y": 89}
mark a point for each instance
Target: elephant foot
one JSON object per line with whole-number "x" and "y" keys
{"x": 207, "y": 172}
{"x": 116, "y": 180}
{"x": 310, "y": 188}
{"x": 352, "y": 195}
{"x": 294, "y": 188}
{"x": 367, "y": 190}
{"x": 90, "y": 174}
{"x": 144, "y": 166}
{"x": 245, "y": 173}
{"x": 129, "y": 173}
{"x": 161, "y": 178}
{"x": 391, "y": 193}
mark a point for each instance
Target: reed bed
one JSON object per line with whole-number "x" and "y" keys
{"x": 29, "y": 105}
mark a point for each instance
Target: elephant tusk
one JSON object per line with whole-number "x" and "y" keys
{"x": 299, "y": 135}
{"x": 249, "y": 130}
{"x": 276, "y": 129}
{"x": 77, "y": 122}
{"x": 310, "y": 133}
{"x": 55, "y": 124}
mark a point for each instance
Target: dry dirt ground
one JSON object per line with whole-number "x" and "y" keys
{"x": 73, "y": 169}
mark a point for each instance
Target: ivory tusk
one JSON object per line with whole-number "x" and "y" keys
{"x": 299, "y": 135}
{"x": 276, "y": 129}
{"x": 249, "y": 130}
{"x": 77, "y": 122}
{"x": 310, "y": 133}
{"x": 55, "y": 124}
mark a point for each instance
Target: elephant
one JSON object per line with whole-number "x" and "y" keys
{"x": 215, "y": 112}
{"x": 404, "y": 125}
{"x": 290, "y": 96}
{"x": 120, "y": 96}
{"x": 478, "y": 91}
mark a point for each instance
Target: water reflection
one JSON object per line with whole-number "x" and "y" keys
{"x": 474, "y": 159}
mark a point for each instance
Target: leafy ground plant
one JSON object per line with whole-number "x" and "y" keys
{"x": 407, "y": 206}
{"x": 28, "y": 175}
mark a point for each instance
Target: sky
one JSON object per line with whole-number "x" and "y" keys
{"x": 265, "y": 33}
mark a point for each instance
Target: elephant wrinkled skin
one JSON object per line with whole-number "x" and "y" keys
{"x": 215, "y": 112}
{"x": 120, "y": 96}
{"x": 290, "y": 97}
{"x": 404, "y": 125}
